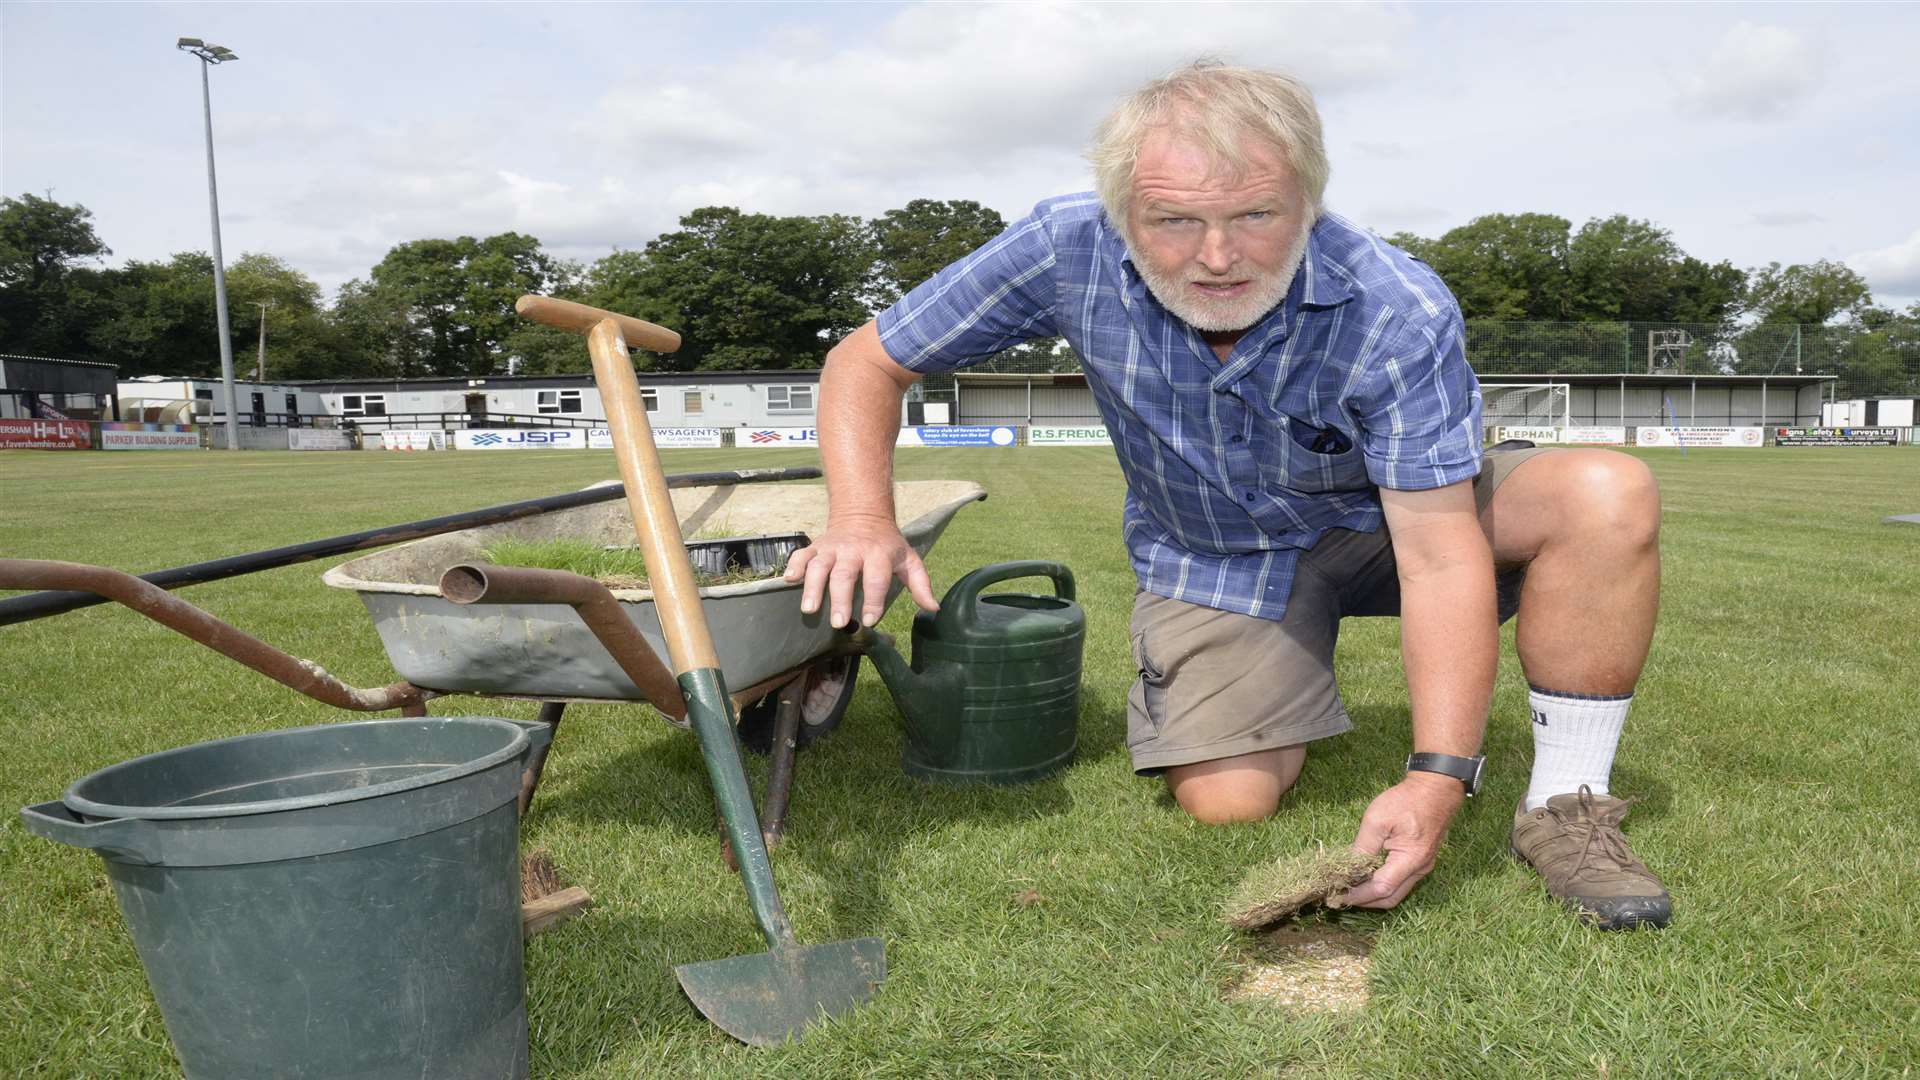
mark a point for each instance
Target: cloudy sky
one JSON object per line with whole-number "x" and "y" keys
{"x": 1753, "y": 132}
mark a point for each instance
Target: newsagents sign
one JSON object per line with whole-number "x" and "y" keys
{"x": 665, "y": 438}
{"x": 1068, "y": 436}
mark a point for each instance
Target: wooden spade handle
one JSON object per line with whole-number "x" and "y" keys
{"x": 581, "y": 319}
{"x": 676, "y": 598}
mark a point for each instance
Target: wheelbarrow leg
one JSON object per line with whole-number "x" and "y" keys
{"x": 786, "y": 740}
{"x": 537, "y": 761}
{"x": 786, "y": 736}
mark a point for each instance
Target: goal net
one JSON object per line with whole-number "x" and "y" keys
{"x": 1525, "y": 405}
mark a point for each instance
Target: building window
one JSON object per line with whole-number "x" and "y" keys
{"x": 558, "y": 401}
{"x": 203, "y": 393}
{"x": 363, "y": 404}
{"x": 691, "y": 401}
{"x": 789, "y": 399}
{"x": 651, "y": 399}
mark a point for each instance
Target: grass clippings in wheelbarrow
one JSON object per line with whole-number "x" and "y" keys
{"x": 614, "y": 567}
{"x": 1282, "y": 889}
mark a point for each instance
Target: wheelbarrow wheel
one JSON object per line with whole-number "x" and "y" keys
{"x": 827, "y": 692}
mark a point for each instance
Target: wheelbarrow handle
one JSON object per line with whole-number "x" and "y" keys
{"x": 581, "y": 319}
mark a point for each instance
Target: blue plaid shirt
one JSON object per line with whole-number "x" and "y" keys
{"x": 1357, "y": 381}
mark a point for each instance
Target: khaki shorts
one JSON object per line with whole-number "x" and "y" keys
{"x": 1217, "y": 684}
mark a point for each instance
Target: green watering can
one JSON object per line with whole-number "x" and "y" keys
{"x": 993, "y": 692}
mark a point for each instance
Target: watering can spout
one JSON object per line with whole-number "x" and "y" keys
{"x": 923, "y": 698}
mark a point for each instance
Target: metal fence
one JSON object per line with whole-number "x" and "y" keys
{"x": 1866, "y": 363}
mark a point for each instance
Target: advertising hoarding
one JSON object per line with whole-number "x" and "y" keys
{"x": 318, "y": 439}
{"x": 528, "y": 439}
{"x": 129, "y": 435}
{"x": 1594, "y": 436}
{"x": 666, "y": 438}
{"x": 777, "y": 437}
{"x": 1068, "y": 436}
{"x": 413, "y": 439}
{"x": 1836, "y": 436}
{"x": 45, "y": 435}
{"x": 1698, "y": 436}
{"x": 1541, "y": 435}
{"x": 956, "y": 435}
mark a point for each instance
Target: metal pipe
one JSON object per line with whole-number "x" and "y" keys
{"x": 219, "y": 270}
{"x": 176, "y": 614}
{"x": 483, "y": 583}
{"x": 39, "y": 605}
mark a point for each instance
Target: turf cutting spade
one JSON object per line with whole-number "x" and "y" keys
{"x": 768, "y": 997}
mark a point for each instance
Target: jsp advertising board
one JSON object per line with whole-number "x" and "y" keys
{"x": 777, "y": 438}
{"x": 127, "y": 435}
{"x": 666, "y": 438}
{"x": 955, "y": 435}
{"x": 45, "y": 435}
{"x": 1068, "y": 436}
{"x": 534, "y": 439}
{"x": 1829, "y": 436}
{"x": 1698, "y": 436}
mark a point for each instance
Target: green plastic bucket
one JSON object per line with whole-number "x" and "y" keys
{"x": 332, "y": 901}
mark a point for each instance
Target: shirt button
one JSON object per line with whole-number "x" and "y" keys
{"x": 1236, "y": 438}
{"x": 1249, "y": 496}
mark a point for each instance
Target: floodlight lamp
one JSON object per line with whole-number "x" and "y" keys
{"x": 226, "y": 54}
{"x": 189, "y": 43}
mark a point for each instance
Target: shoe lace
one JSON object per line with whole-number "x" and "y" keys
{"x": 1604, "y": 834}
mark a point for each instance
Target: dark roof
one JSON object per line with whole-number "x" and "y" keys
{"x": 546, "y": 382}
{"x": 55, "y": 360}
{"x": 1665, "y": 378}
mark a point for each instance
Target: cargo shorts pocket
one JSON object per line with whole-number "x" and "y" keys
{"x": 1147, "y": 698}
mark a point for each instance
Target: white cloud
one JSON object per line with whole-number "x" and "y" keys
{"x": 1893, "y": 270}
{"x": 1786, "y": 218}
{"x": 1755, "y": 73}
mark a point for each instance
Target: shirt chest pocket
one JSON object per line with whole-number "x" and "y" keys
{"x": 1320, "y": 458}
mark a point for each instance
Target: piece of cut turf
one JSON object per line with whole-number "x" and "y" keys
{"x": 1283, "y": 889}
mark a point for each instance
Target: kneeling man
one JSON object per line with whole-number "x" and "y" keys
{"x": 1291, "y": 405}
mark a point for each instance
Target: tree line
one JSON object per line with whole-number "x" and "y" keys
{"x": 758, "y": 291}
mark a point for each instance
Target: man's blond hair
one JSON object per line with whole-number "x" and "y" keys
{"x": 1221, "y": 108}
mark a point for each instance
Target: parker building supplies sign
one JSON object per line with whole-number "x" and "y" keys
{"x": 413, "y": 439}
{"x": 775, "y": 438}
{"x": 1699, "y": 436}
{"x": 955, "y": 435}
{"x": 45, "y": 435}
{"x": 535, "y": 439}
{"x": 1594, "y": 436}
{"x": 318, "y": 439}
{"x": 666, "y": 438}
{"x": 126, "y": 435}
{"x": 1836, "y": 436}
{"x": 1068, "y": 436}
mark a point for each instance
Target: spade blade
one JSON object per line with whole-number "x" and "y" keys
{"x": 767, "y": 998}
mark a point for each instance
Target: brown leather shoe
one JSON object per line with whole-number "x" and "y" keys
{"x": 1574, "y": 843}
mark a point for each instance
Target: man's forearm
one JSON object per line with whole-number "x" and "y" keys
{"x": 1449, "y": 641}
{"x": 859, "y": 420}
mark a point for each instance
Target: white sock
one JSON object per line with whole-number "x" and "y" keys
{"x": 1574, "y": 736}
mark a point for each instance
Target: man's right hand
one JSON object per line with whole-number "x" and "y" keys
{"x": 868, "y": 552}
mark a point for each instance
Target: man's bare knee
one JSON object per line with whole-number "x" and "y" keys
{"x": 1246, "y": 787}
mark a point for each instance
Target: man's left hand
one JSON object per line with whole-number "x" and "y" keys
{"x": 1407, "y": 821}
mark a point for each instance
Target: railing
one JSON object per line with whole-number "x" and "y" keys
{"x": 434, "y": 421}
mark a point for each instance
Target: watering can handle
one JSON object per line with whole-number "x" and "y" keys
{"x": 960, "y": 600}
{"x": 129, "y": 840}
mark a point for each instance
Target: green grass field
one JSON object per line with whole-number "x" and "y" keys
{"x": 1070, "y": 927}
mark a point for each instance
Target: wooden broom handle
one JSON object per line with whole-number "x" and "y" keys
{"x": 675, "y": 596}
{"x": 581, "y": 319}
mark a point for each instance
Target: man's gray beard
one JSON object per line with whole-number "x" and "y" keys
{"x": 1236, "y": 315}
